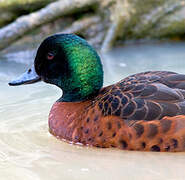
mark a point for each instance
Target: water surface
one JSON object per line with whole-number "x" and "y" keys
{"x": 29, "y": 152}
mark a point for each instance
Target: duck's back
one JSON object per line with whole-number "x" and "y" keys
{"x": 145, "y": 96}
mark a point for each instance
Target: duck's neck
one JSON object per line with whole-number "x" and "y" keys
{"x": 84, "y": 77}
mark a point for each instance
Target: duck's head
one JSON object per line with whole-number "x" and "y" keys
{"x": 68, "y": 62}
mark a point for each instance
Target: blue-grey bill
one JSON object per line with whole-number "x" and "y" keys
{"x": 29, "y": 77}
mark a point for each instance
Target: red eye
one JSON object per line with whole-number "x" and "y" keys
{"x": 50, "y": 56}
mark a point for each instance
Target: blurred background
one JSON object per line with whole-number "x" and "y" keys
{"x": 104, "y": 23}
{"x": 131, "y": 36}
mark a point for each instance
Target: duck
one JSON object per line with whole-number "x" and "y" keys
{"x": 142, "y": 112}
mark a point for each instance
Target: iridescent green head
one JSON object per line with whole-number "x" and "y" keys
{"x": 70, "y": 63}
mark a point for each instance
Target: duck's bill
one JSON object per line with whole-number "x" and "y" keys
{"x": 28, "y": 77}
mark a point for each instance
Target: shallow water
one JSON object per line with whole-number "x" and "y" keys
{"x": 29, "y": 152}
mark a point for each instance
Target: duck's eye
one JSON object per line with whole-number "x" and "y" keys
{"x": 50, "y": 56}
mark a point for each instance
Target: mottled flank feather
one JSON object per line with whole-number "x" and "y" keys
{"x": 145, "y": 111}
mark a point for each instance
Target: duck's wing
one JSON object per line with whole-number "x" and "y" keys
{"x": 145, "y": 96}
{"x": 134, "y": 114}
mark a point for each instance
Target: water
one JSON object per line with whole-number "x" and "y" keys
{"x": 29, "y": 152}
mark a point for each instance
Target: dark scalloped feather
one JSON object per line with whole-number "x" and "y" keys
{"x": 150, "y": 95}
